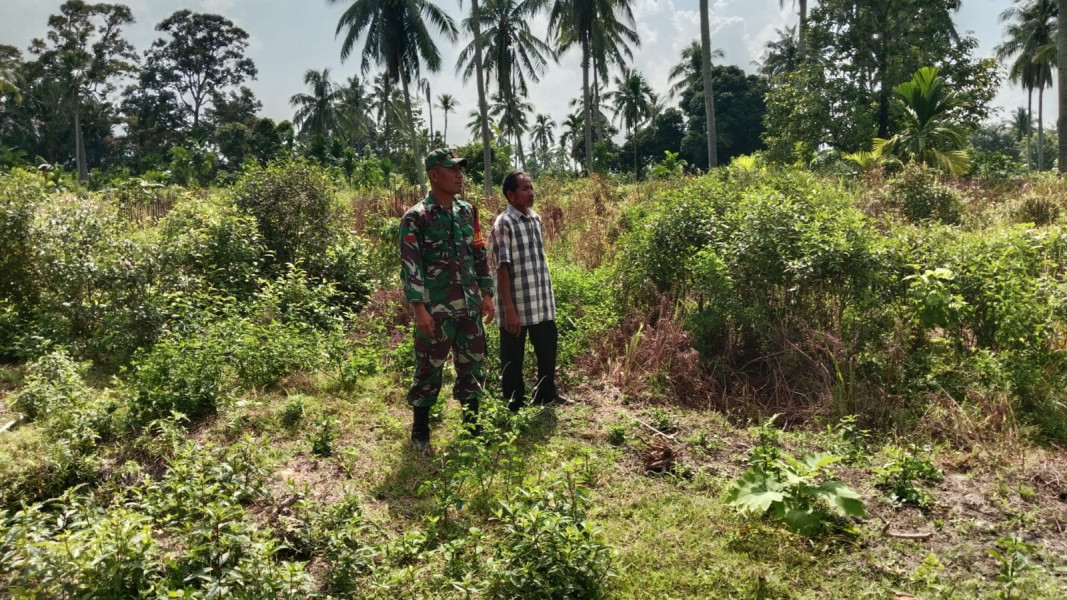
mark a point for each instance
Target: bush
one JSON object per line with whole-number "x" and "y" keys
{"x": 97, "y": 282}
{"x": 209, "y": 244}
{"x": 294, "y": 208}
{"x": 548, "y": 549}
{"x": 20, "y": 194}
{"x": 920, "y": 195}
{"x": 55, "y": 396}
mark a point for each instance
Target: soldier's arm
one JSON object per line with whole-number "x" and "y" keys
{"x": 481, "y": 257}
{"x": 412, "y": 274}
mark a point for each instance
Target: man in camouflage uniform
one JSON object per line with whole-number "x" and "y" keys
{"x": 447, "y": 281}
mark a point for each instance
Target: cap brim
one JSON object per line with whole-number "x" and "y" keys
{"x": 455, "y": 161}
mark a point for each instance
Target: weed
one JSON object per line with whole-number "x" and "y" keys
{"x": 618, "y": 435}
{"x": 323, "y": 437}
{"x": 1013, "y": 555}
{"x": 791, "y": 493}
{"x": 293, "y": 412}
{"x": 901, "y": 472}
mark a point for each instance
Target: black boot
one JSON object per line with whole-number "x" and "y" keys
{"x": 420, "y": 429}
{"x": 470, "y": 417}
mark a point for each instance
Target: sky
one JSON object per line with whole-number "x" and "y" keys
{"x": 288, "y": 37}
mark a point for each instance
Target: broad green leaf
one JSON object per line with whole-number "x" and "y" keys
{"x": 841, "y": 498}
{"x": 754, "y": 492}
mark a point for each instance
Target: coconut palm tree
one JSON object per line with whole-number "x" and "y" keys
{"x": 511, "y": 119}
{"x": 397, "y": 39}
{"x": 780, "y": 56}
{"x": 922, "y": 108}
{"x": 594, "y": 26}
{"x": 387, "y": 108}
{"x": 542, "y": 137}
{"x": 1031, "y": 41}
{"x": 709, "y": 93}
{"x": 483, "y": 104}
{"x": 573, "y": 128}
{"x": 803, "y": 12}
{"x": 632, "y": 100}
{"x": 356, "y": 108}
{"x": 687, "y": 73}
{"x": 424, "y": 87}
{"x": 317, "y": 112}
{"x": 511, "y": 53}
{"x": 447, "y": 103}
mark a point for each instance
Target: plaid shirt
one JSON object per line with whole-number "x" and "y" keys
{"x": 516, "y": 240}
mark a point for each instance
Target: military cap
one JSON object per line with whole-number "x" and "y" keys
{"x": 444, "y": 157}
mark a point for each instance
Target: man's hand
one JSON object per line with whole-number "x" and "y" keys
{"x": 488, "y": 308}
{"x": 511, "y": 321}
{"x": 423, "y": 320}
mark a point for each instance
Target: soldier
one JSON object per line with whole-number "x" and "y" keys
{"x": 447, "y": 281}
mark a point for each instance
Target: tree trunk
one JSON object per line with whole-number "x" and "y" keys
{"x": 1029, "y": 121}
{"x": 446, "y": 128}
{"x": 633, "y": 136}
{"x": 420, "y": 174}
{"x": 79, "y": 140}
{"x": 483, "y": 107}
{"x": 709, "y": 96}
{"x": 1041, "y": 128}
{"x": 429, "y": 111}
{"x": 587, "y": 107}
{"x": 803, "y": 27}
{"x": 1061, "y": 75}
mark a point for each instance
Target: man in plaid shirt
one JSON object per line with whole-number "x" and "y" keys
{"x": 525, "y": 301}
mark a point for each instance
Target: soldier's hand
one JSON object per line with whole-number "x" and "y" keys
{"x": 423, "y": 320}
{"x": 511, "y": 322}
{"x": 488, "y": 308}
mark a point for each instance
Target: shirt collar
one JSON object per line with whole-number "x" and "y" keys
{"x": 516, "y": 213}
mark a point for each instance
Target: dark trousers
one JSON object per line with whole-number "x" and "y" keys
{"x": 544, "y": 338}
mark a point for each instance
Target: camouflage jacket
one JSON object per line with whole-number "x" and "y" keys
{"x": 443, "y": 259}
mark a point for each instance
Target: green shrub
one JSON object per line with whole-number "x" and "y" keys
{"x": 920, "y": 195}
{"x": 179, "y": 374}
{"x": 294, "y": 207}
{"x": 214, "y": 245}
{"x": 900, "y": 473}
{"x": 791, "y": 493}
{"x": 21, "y": 193}
{"x": 548, "y": 548}
{"x": 56, "y": 396}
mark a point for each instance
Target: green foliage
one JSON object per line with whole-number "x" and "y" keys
{"x": 548, "y": 549}
{"x": 900, "y": 473}
{"x": 618, "y": 435}
{"x": 323, "y": 437}
{"x": 670, "y": 166}
{"x": 210, "y": 244}
{"x": 920, "y": 195}
{"x": 1013, "y": 556}
{"x": 585, "y": 307}
{"x": 927, "y": 133}
{"x": 21, "y": 192}
{"x": 790, "y": 492}
{"x": 294, "y": 207}
{"x": 56, "y": 396}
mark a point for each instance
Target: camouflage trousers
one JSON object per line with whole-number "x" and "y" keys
{"x": 465, "y": 337}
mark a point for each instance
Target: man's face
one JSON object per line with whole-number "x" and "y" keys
{"x": 447, "y": 179}
{"x": 523, "y": 196}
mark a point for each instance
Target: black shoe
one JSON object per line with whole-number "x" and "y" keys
{"x": 515, "y": 405}
{"x": 559, "y": 400}
{"x": 420, "y": 430}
